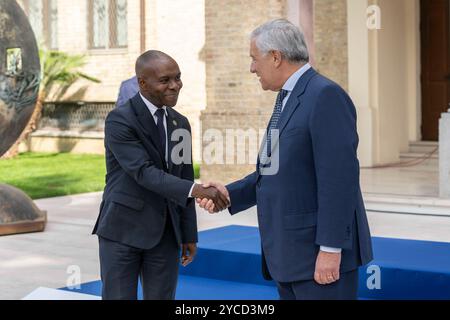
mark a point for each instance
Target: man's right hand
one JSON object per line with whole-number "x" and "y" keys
{"x": 219, "y": 199}
{"x": 209, "y": 205}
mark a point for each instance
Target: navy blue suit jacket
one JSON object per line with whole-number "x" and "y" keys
{"x": 315, "y": 198}
{"x": 141, "y": 192}
{"x": 127, "y": 90}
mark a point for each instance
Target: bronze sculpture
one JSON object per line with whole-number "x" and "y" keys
{"x": 19, "y": 85}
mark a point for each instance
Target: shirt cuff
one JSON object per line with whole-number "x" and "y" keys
{"x": 190, "y": 192}
{"x": 330, "y": 250}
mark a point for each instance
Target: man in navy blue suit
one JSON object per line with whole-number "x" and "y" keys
{"x": 128, "y": 90}
{"x": 311, "y": 215}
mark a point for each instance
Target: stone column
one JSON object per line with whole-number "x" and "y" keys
{"x": 235, "y": 99}
{"x": 444, "y": 155}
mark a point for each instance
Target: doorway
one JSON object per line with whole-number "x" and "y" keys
{"x": 435, "y": 56}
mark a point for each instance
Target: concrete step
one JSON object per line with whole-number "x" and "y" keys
{"x": 428, "y": 160}
{"x": 407, "y": 204}
{"x": 417, "y": 155}
{"x": 423, "y": 147}
{"x": 420, "y": 150}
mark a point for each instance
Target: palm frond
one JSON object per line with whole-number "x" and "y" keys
{"x": 62, "y": 70}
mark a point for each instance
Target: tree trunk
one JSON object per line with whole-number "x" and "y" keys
{"x": 29, "y": 129}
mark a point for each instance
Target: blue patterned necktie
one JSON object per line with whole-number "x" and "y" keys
{"x": 273, "y": 125}
{"x": 160, "y": 113}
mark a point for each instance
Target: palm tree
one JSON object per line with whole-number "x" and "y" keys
{"x": 59, "y": 71}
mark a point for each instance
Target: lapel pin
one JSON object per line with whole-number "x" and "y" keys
{"x": 175, "y": 123}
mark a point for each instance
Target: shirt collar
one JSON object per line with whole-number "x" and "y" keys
{"x": 151, "y": 107}
{"x": 293, "y": 79}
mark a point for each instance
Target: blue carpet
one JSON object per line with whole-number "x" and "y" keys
{"x": 197, "y": 288}
{"x": 228, "y": 266}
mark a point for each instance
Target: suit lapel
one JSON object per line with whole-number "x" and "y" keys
{"x": 147, "y": 123}
{"x": 295, "y": 99}
{"x": 292, "y": 104}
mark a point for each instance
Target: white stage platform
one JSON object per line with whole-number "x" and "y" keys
{"x": 43, "y": 293}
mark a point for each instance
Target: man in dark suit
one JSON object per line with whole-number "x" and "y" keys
{"x": 127, "y": 90}
{"x": 147, "y": 212}
{"x": 311, "y": 216}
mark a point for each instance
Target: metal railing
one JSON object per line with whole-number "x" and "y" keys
{"x": 75, "y": 116}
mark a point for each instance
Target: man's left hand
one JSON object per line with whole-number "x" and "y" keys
{"x": 327, "y": 267}
{"x": 188, "y": 254}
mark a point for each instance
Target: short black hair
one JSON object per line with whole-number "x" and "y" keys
{"x": 147, "y": 57}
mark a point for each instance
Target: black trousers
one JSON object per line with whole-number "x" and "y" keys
{"x": 122, "y": 265}
{"x": 346, "y": 288}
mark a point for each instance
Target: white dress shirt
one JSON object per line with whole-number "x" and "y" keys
{"x": 152, "y": 108}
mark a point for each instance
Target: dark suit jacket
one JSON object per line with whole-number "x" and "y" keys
{"x": 141, "y": 192}
{"x": 128, "y": 90}
{"x": 315, "y": 198}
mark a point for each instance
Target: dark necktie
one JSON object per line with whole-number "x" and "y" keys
{"x": 266, "y": 152}
{"x": 160, "y": 113}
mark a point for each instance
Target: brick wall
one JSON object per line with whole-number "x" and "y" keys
{"x": 235, "y": 99}
{"x": 331, "y": 40}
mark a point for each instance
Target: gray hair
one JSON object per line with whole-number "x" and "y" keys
{"x": 283, "y": 36}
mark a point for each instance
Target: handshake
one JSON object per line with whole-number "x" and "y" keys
{"x": 211, "y": 196}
